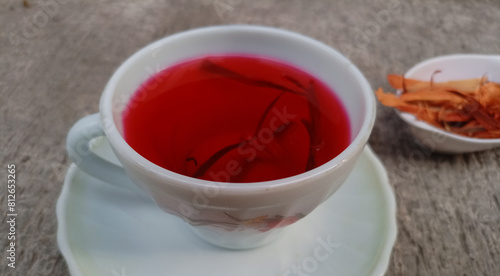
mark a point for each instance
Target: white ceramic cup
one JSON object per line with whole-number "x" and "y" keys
{"x": 231, "y": 215}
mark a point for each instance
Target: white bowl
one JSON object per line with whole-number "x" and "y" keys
{"x": 453, "y": 67}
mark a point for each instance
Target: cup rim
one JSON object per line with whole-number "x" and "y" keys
{"x": 118, "y": 143}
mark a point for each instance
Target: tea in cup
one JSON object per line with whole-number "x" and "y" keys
{"x": 239, "y": 130}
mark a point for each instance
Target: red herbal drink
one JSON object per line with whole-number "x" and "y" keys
{"x": 236, "y": 118}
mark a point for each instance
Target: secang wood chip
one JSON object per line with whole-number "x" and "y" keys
{"x": 468, "y": 107}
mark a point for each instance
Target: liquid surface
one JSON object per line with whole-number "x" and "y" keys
{"x": 236, "y": 119}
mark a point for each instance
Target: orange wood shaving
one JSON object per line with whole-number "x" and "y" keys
{"x": 466, "y": 107}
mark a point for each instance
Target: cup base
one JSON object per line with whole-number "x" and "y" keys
{"x": 238, "y": 239}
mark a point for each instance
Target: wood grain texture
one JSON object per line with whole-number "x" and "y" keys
{"x": 56, "y": 57}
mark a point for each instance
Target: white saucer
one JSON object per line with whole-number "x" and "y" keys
{"x": 110, "y": 231}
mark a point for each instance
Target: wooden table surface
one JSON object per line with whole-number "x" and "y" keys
{"x": 57, "y": 55}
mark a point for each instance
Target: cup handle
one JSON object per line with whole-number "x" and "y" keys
{"x": 80, "y": 152}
